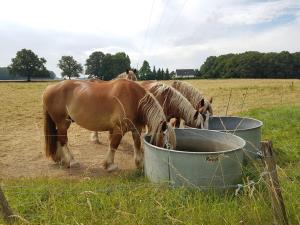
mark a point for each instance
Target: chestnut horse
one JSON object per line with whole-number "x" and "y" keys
{"x": 129, "y": 75}
{"x": 195, "y": 98}
{"x": 117, "y": 106}
{"x": 174, "y": 104}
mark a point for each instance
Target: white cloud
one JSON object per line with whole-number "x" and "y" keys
{"x": 176, "y": 33}
{"x": 91, "y": 16}
{"x": 255, "y": 13}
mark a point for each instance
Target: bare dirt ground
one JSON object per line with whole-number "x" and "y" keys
{"x": 21, "y": 126}
{"x": 23, "y": 155}
{"x": 22, "y": 145}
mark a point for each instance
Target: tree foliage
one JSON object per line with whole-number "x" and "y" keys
{"x": 252, "y": 65}
{"x": 160, "y": 74}
{"x": 107, "y": 66}
{"x": 70, "y": 67}
{"x": 113, "y": 65}
{"x": 5, "y": 75}
{"x": 145, "y": 71}
{"x": 94, "y": 64}
{"x": 28, "y": 64}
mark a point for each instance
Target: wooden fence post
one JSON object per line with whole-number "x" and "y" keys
{"x": 279, "y": 213}
{"x": 5, "y": 210}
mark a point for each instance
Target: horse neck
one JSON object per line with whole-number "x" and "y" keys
{"x": 151, "y": 112}
{"x": 175, "y": 103}
{"x": 186, "y": 110}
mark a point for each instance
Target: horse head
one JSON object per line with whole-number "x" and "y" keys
{"x": 199, "y": 120}
{"x": 165, "y": 136}
{"x": 205, "y": 109}
{"x": 131, "y": 74}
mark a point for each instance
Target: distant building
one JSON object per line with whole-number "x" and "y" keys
{"x": 185, "y": 73}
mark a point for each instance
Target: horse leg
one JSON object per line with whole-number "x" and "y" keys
{"x": 138, "y": 153}
{"x": 63, "y": 153}
{"x": 115, "y": 138}
{"x": 95, "y": 137}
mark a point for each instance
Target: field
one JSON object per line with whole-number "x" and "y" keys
{"x": 41, "y": 192}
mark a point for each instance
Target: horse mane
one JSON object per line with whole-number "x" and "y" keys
{"x": 122, "y": 75}
{"x": 153, "y": 115}
{"x": 176, "y": 99}
{"x": 187, "y": 90}
{"x": 129, "y": 76}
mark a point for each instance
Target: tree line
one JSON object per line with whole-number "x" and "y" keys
{"x": 104, "y": 66}
{"x": 252, "y": 65}
{"x": 145, "y": 73}
{"x": 5, "y": 75}
{"x": 98, "y": 65}
{"x": 107, "y": 66}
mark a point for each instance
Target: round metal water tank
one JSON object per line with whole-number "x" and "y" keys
{"x": 247, "y": 128}
{"x": 203, "y": 158}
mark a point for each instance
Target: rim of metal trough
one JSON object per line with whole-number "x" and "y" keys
{"x": 260, "y": 123}
{"x": 199, "y": 153}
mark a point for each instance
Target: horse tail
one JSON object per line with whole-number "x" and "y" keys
{"x": 50, "y": 133}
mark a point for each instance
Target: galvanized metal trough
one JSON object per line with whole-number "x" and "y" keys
{"x": 203, "y": 158}
{"x": 247, "y": 128}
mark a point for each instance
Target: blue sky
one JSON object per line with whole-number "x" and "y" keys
{"x": 167, "y": 33}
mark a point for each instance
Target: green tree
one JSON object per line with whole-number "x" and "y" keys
{"x": 69, "y": 66}
{"x": 145, "y": 71}
{"x": 167, "y": 75}
{"x": 28, "y": 64}
{"x": 153, "y": 75}
{"x": 113, "y": 65}
{"x": 107, "y": 68}
{"x": 252, "y": 64}
{"x": 172, "y": 74}
{"x": 198, "y": 73}
{"x": 94, "y": 65}
{"x": 121, "y": 62}
{"x": 159, "y": 75}
{"x": 163, "y": 74}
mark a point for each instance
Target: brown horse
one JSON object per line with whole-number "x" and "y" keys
{"x": 174, "y": 104}
{"x": 129, "y": 75}
{"x": 116, "y": 106}
{"x": 195, "y": 98}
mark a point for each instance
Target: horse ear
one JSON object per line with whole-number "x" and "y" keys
{"x": 211, "y": 100}
{"x": 164, "y": 126}
{"x": 127, "y": 71}
{"x": 196, "y": 115}
{"x": 202, "y": 102}
{"x": 173, "y": 122}
{"x": 135, "y": 71}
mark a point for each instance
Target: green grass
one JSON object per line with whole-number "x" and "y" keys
{"x": 282, "y": 126}
{"x": 130, "y": 199}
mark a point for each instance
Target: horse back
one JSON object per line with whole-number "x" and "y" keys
{"x": 93, "y": 103}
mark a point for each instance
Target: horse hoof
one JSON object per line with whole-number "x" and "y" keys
{"x": 74, "y": 164}
{"x": 112, "y": 167}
